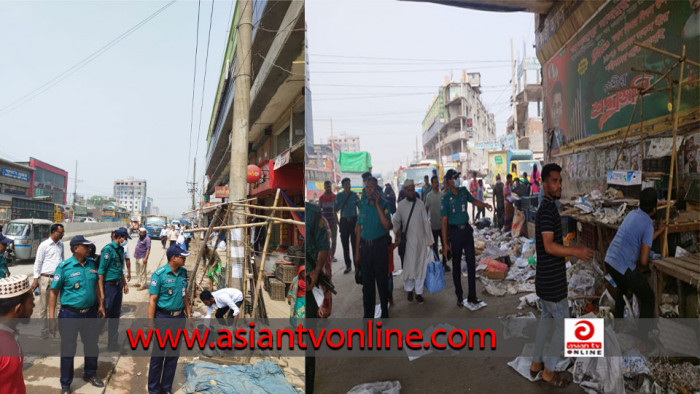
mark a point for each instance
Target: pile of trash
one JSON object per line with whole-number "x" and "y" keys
{"x": 683, "y": 377}
{"x": 595, "y": 204}
{"x": 585, "y": 279}
{"x": 262, "y": 377}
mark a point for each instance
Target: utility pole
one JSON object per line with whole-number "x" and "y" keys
{"x": 515, "y": 105}
{"x": 332, "y": 152}
{"x": 193, "y": 185}
{"x": 238, "y": 185}
{"x": 75, "y": 189}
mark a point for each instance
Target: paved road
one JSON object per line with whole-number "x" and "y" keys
{"x": 449, "y": 375}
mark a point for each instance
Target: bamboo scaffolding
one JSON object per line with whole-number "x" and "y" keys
{"x": 669, "y": 54}
{"x": 191, "y": 285}
{"x": 266, "y": 208}
{"x": 674, "y": 156}
{"x": 262, "y": 262}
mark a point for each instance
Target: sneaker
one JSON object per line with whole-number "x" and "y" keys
{"x": 460, "y": 304}
{"x": 410, "y": 296}
{"x": 347, "y": 270}
{"x": 419, "y": 298}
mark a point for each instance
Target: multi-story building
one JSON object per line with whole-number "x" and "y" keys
{"x": 130, "y": 193}
{"x": 149, "y": 206}
{"x": 346, "y": 143}
{"x": 456, "y": 122}
{"x": 276, "y": 118}
{"x": 528, "y": 102}
{"x": 47, "y": 180}
{"x": 15, "y": 181}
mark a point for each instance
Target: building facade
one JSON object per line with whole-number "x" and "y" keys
{"x": 277, "y": 117}
{"x": 346, "y": 143}
{"x": 48, "y": 180}
{"x": 456, "y": 122}
{"x": 131, "y": 194}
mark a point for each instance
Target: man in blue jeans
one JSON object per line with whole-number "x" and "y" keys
{"x": 550, "y": 283}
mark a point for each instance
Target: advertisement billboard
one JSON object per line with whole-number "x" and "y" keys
{"x": 590, "y": 86}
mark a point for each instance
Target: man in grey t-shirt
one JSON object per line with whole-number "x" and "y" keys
{"x": 432, "y": 205}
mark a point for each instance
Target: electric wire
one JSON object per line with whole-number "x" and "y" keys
{"x": 82, "y": 63}
{"x": 194, "y": 84}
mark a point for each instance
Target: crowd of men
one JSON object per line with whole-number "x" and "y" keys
{"x": 91, "y": 285}
{"x": 440, "y": 212}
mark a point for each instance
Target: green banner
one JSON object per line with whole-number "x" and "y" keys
{"x": 590, "y": 87}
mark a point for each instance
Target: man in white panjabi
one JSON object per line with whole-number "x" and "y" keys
{"x": 416, "y": 227}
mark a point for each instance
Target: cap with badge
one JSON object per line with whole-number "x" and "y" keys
{"x": 14, "y": 286}
{"x": 121, "y": 232}
{"x": 176, "y": 251}
{"x": 451, "y": 174}
{"x": 80, "y": 240}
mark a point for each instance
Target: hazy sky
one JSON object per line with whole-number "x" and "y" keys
{"x": 389, "y": 57}
{"x": 127, "y": 113}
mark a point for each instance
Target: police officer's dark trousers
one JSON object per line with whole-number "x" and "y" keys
{"x": 462, "y": 242}
{"x": 113, "y": 309}
{"x": 375, "y": 269}
{"x": 70, "y": 323}
{"x": 348, "y": 238}
{"x": 161, "y": 372}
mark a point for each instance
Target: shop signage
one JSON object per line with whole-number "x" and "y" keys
{"x": 14, "y": 174}
{"x": 222, "y": 192}
{"x": 282, "y": 159}
{"x": 624, "y": 178}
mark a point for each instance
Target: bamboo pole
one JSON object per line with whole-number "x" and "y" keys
{"x": 193, "y": 281}
{"x": 229, "y": 227}
{"x": 266, "y": 208}
{"x": 669, "y": 54}
{"x": 674, "y": 155}
{"x": 264, "y": 255}
{"x": 640, "y": 97}
{"x": 274, "y": 219}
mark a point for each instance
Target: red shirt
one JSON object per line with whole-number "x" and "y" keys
{"x": 11, "y": 360}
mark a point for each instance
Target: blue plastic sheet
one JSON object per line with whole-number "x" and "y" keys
{"x": 263, "y": 377}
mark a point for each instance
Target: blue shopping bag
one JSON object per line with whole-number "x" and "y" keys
{"x": 435, "y": 277}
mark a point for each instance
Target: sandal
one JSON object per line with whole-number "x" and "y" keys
{"x": 560, "y": 379}
{"x": 533, "y": 374}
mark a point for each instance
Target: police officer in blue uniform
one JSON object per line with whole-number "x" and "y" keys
{"x": 372, "y": 252}
{"x": 113, "y": 283}
{"x": 455, "y": 223}
{"x": 168, "y": 300}
{"x": 75, "y": 279}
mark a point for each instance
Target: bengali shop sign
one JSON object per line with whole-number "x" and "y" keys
{"x": 585, "y": 81}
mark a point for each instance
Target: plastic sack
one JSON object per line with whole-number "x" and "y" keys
{"x": 377, "y": 388}
{"x": 518, "y": 224}
{"x": 435, "y": 277}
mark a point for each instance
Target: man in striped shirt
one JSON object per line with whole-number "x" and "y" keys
{"x": 550, "y": 282}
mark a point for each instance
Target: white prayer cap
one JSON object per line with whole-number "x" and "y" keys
{"x": 408, "y": 182}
